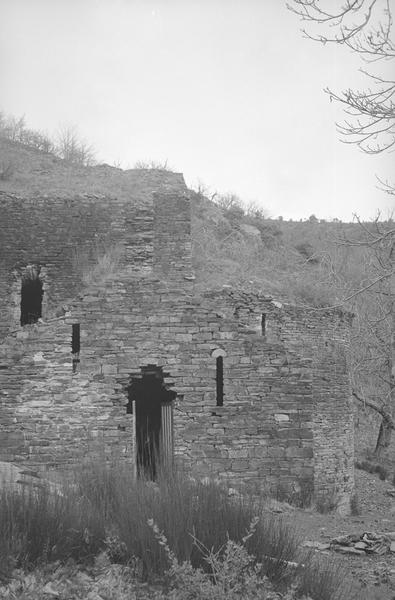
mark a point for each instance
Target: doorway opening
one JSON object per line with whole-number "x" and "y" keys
{"x": 151, "y": 403}
{"x": 31, "y": 296}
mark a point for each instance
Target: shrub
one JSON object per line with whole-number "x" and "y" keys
{"x": 301, "y": 494}
{"x": 324, "y": 579}
{"x": 222, "y": 547}
{"x": 233, "y": 573}
{"x": 182, "y": 507}
{"x": 153, "y": 165}
{"x": 370, "y": 467}
{"x": 69, "y": 145}
{"x": 98, "y": 264}
{"x": 307, "y": 251}
{"x": 325, "y": 503}
{"x": 381, "y": 471}
{"x": 37, "y": 525}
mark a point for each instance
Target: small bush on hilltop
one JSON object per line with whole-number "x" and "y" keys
{"x": 152, "y": 165}
{"x": 68, "y": 143}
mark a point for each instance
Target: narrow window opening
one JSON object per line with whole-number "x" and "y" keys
{"x": 31, "y": 296}
{"x": 220, "y": 381}
{"x": 75, "y": 345}
{"x": 263, "y": 324}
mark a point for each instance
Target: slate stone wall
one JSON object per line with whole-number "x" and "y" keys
{"x": 285, "y": 422}
{"x": 62, "y": 235}
{"x": 266, "y": 434}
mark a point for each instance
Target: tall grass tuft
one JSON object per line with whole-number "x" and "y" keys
{"x": 325, "y": 579}
{"x": 185, "y": 509}
{"x": 106, "y": 508}
{"x": 38, "y": 525}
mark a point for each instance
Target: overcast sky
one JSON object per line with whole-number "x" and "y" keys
{"x": 227, "y": 91}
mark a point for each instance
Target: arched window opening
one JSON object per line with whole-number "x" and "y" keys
{"x": 220, "y": 381}
{"x": 31, "y": 296}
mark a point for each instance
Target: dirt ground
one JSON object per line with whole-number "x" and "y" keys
{"x": 374, "y": 575}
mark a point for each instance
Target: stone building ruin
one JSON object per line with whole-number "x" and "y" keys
{"x": 140, "y": 367}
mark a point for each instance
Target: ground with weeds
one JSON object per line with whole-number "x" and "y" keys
{"x": 374, "y": 573}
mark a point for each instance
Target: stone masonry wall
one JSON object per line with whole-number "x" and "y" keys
{"x": 321, "y": 336}
{"x": 172, "y": 237}
{"x": 285, "y": 421}
{"x": 261, "y": 436}
{"x": 51, "y": 417}
{"x": 60, "y": 234}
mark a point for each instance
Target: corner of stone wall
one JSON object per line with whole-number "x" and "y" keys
{"x": 172, "y": 255}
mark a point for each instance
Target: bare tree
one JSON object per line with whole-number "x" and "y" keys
{"x": 366, "y": 28}
{"x": 70, "y": 146}
{"x": 372, "y": 356}
{"x": 12, "y": 127}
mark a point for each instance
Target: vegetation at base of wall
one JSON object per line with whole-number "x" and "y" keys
{"x": 301, "y": 494}
{"x": 326, "y": 503}
{"x": 107, "y": 510}
{"x": 182, "y": 507}
{"x": 38, "y": 525}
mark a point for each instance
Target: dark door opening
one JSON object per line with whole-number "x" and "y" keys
{"x": 152, "y": 404}
{"x": 31, "y": 297}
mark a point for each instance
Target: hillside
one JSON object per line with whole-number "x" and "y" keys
{"x": 29, "y": 172}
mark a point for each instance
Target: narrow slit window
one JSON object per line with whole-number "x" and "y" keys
{"x": 220, "y": 381}
{"x": 263, "y": 324}
{"x": 75, "y": 345}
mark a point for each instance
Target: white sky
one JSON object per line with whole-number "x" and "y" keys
{"x": 227, "y": 91}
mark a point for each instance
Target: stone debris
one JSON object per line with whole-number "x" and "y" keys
{"x": 317, "y": 545}
{"x": 368, "y": 542}
{"x": 14, "y": 478}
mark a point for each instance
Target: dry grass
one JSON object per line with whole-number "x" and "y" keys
{"x": 99, "y": 264}
{"x": 107, "y": 509}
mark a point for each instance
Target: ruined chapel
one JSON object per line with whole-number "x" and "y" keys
{"x": 140, "y": 368}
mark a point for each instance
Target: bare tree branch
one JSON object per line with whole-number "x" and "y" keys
{"x": 379, "y": 409}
